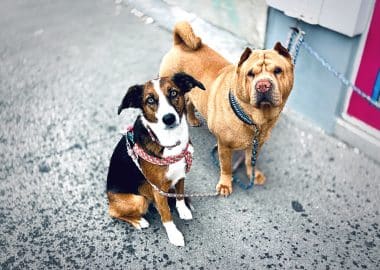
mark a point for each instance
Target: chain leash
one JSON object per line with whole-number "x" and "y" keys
{"x": 297, "y": 36}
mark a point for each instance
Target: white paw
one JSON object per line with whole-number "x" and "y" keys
{"x": 142, "y": 224}
{"x": 183, "y": 211}
{"x": 175, "y": 236}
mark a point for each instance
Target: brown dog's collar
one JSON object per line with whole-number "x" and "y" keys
{"x": 238, "y": 110}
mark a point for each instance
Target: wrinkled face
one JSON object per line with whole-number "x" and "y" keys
{"x": 267, "y": 77}
{"x": 163, "y": 103}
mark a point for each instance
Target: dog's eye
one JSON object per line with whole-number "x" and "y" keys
{"x": 173, "y": 93}
{"x": 251, "y": 74}
{"x": 277, "y": 70}
{"x": 150, "y": 100}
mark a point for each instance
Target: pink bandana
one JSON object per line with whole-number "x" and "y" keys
{"x": 138, "y": 151}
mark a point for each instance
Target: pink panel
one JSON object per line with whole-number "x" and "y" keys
{"x": 368, "y": 69}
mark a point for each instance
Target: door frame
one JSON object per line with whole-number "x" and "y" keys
{"x": 351, "y": 119}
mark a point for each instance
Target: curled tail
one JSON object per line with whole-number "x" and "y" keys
{"x": 184, "y": 34}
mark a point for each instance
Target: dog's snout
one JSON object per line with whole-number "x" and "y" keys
{"x": 263, "y": 86}
{"x": 168, "y": 119}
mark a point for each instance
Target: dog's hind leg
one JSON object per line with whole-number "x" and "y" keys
{"x": 191, "y": 118}
{"x": 129, "y": 208}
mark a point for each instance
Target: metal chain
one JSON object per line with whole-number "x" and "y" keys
{"x": 339, "y": 75}
{"x": 290, "y": 39}
{"x": 294, "y": 41}
{"x": 176, "y": 195}
{"x": 300, "y": 42}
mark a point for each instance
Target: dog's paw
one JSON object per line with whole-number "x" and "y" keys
{"x": 259, "y": 178}
{"x": 141, "y": 224}
{"x": 224, "y": 187}
{"x": 183, "y": 211}
{"x": 175, "y": 236}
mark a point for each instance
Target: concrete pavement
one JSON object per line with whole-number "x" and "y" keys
{"x": 64, "y": 67}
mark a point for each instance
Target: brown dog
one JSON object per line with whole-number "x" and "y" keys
{"x": 261, "y": 83}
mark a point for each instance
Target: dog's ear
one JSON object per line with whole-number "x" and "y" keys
{"x": 132, "y": 98}
{"x": 185, "y": 82}
{"x": 282, "y": 50}
{"x": 247, "y": 52}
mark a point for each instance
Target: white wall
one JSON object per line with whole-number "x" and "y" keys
{"x": 244, "y": 18}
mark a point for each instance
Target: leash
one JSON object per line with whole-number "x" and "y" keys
{"x": 162, "y": 162}
{"x": 239, "y": 112}
{"x": 294, "y": 42}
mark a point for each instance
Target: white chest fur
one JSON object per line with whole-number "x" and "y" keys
{"x": 177, "y": 170}
{"x": 180, "y": 134}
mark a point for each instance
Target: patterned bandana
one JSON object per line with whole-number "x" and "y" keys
{"x": 137, "y": 151}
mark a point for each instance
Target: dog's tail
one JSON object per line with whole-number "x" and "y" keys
{"x": 184, "y": 34}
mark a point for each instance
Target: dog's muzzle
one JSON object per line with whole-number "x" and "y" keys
{"x": 264, "y": 89}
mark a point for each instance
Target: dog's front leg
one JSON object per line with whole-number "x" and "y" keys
{"x": 259, "y": 176}
{"x": 183, "y": 211}
{"x": 175, "y": 236}
{"x": 224, "y": 186}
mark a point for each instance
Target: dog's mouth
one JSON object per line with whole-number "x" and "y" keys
{"x": 265, "y": 102}
{"x": 155, "y": 139}
{"x": 172, "y": 146}
{"x": 172, "y": 126}
{"x": 265, "y": 105}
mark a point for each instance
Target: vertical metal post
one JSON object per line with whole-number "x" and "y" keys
{"x": 297, "y": 44}
{"x": 291, "y": 35}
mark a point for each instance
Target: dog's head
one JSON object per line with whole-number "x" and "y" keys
{"x": 162, "y": 100}
{"x": 265, "y": 77}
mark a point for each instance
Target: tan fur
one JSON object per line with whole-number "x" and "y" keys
{"x": 185, "y": 34}
{"x": 127, "y": 207}
{"x": 156, "y": 174}
{"x": 178, "y": 101}
{"x": 131, "y": 207}
{"x": 219, "y": 77}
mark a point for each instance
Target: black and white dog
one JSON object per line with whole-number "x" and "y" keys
{"x": 154, "y": 155}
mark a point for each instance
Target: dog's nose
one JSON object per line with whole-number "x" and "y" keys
{"x": 168, "y": 119}
{"x": 263, "y": 86}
